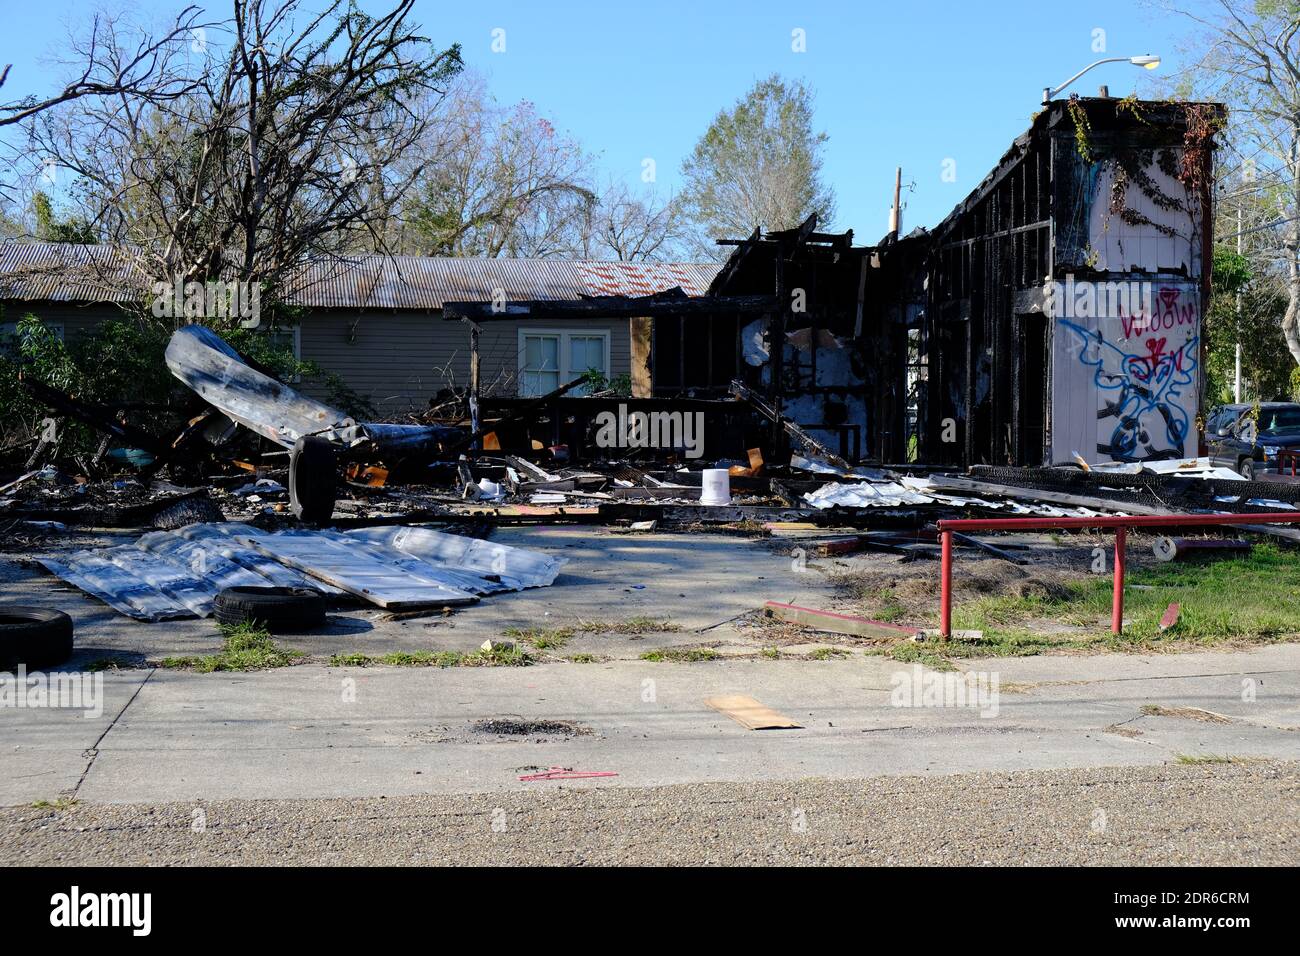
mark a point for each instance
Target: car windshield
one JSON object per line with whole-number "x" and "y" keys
{"x": 1275, "y": 420}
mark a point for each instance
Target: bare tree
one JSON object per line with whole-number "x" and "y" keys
{"x": 1250, "y": 59}
{"x": 496, "y": 182}
{"x": 626, "y": 227}
{"x": 116, "y": 63}
{"x": 295, "y": 114}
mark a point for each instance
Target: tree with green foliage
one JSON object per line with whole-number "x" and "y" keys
{"x": 758, "y": 165}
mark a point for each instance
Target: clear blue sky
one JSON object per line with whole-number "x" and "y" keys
{"x": 903, "y": 83}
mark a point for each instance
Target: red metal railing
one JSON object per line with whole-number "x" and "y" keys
{"x": 1120, "y": 524}
{"x": 1285, "y": 457}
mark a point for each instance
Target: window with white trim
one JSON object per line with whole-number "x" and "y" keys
{"x": 548, "y": 358}
{"x": 9, "y": 343}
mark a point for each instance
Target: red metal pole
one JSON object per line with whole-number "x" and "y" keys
{"x": 1117, "y": 605}
{"x": 945, "y": 590}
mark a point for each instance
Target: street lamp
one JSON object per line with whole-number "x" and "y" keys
{"x": 1147, "y": 62}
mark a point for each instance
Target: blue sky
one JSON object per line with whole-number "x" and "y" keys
{"x": 911, "y": 84}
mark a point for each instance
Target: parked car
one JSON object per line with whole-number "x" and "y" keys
{"x": 1235, "y": 439}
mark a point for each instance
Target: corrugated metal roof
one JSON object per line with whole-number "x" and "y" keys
{"x": 58, "y": 272}
{"x": 68, "y": 273}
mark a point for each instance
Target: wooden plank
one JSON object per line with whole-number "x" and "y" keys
{"x": 836, "y": 623}
{"x": 750, "y": 713}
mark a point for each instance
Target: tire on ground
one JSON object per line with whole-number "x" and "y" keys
{"x": 313, "y": 479}
{"x": 34, "y": 636}
{"x": 276, "y": 609}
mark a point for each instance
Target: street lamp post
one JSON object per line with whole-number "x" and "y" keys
{"x": 1147, "y": 62}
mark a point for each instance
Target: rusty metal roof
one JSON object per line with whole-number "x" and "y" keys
{"x": 71, "y": 273}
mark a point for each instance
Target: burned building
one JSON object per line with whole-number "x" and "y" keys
{"x": 1065, "y": 294}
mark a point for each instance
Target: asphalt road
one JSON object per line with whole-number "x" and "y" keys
{"x": 1229, "y": 814}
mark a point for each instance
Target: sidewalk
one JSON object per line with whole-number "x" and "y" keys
{"x": 290, "y": 733}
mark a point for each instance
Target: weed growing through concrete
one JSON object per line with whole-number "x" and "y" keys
{"x": 633, "y": 625}
{"x": 1201, "y": 760}
{"x": 59, "y": 805}
{"x": 542, "y": 638}
{"x": 244, "y": 647}
{"x": 497, "y": 657}
{"x": 681, "y": 655}
{"x": 827, "y": 654}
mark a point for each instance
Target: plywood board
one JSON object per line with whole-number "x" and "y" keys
{"x": 750, "y": 713}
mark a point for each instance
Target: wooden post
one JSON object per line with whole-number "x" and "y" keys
{"x": 474, "y": 381}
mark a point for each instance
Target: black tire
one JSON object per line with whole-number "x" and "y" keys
{"x": 313, "y": 479}
{"x": 276, "y": 609}
{"x": 34, "y": 636}
{"x": 1246, "y": 468}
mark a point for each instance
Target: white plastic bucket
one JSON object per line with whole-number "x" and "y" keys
{"x": 716, "y": 487}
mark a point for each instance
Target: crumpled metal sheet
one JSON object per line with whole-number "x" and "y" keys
{"x": 167, "y": 575}
{"x": 911, "y": 490}
{"x": 207, "y": 364}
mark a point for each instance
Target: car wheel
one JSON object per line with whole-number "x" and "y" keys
{"x": 276, "y": 609}
{"x": 313, "y": 479}
{"x": 34, "y": 636}
{"x": 1247, "y": 469}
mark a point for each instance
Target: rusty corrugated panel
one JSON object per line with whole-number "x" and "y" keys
{"x": 63, "y": 272}
{"x": 67, "y": 273}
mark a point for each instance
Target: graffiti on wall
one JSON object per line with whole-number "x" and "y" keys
{"x": 1143, "y": 365}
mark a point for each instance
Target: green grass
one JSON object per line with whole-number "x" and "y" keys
{"x": 497, "y": 657}
{"x": 890, "y": 609}
{"x": 542, "y": 638}
{"x": 1201, "y": 760}
{"x": 681, "y": 655}
{"x": 632, "y": 625}
{"x": 1247, "y": 598}
{"x": 929, "y": 653}
{"x": 583, "y": 658}
{"x": 244, "y": 647}
{"x": 827, "y": 654}
{"x": 771, "y": 653}
{"x": 62, "y": 803}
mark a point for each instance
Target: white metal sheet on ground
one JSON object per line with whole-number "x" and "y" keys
{"x": 175, "y": 574}
{"x": 518, "y": 568}
{"x": 359, "y": 571}
{"x": 121, "y": 589}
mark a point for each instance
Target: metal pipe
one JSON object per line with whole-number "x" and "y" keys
{"x": 945, "y": 590}
{"x": 1117, "y": 602}
{"x": 1117, "y": 521}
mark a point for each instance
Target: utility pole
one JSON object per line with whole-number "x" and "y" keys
{"x": 1236, "y": 375}
{"x": 896, "y": 213}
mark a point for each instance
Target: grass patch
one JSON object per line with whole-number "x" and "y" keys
{"x": 244, "y": 647}
{"x": 542, "y": 638}
{"x": 681, "y": 655}
{"x": 583, "y": 658}
{"x": 771, "y": 653}
{"x": 1243, "y": 598}
{"x": 925, "y": 653}
{"x": 59, "y": 805}
{"x": 497, "y": 657}
{"x": 1185, "y": 713}
{"x": 1201, "y": 760}
{"x": 827, "y": 654}
{"x": 632, "y": 625}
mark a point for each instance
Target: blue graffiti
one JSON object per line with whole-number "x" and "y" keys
{"x": 1141, "y": 391}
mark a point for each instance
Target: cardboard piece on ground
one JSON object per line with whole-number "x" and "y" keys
{"x": 750, "y": 713}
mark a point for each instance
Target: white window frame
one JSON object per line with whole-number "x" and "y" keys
{"x": 566, "y": 374}
{"x": 297, "y": 346}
